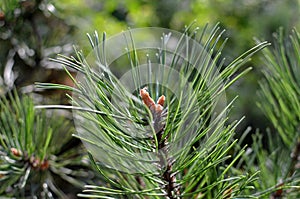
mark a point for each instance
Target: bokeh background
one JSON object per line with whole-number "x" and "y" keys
{"x": 32, "y": 31}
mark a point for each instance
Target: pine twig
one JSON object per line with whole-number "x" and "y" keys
{"x": 170, "y": 190}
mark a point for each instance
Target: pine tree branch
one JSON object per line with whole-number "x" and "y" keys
{"x": 165, "y": 162}
{"x": 189, "y": 122}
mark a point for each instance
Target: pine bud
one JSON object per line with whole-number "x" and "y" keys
{"x": 16, "y": 152}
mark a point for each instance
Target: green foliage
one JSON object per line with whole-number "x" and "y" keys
{"x": 242, "y": 19}
{"x": 280, "y": 101}
{"x": 202, "y": 167}
{"x": 278, "y": 176}
{"x": 281, "y": 87}
{"x": 276, "y": 153}
{"x": 34, "y": 159}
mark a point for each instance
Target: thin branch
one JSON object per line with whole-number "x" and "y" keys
{"x": 170, "y": 189}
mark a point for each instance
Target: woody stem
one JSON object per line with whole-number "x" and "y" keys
{"x": 170, "y": 189}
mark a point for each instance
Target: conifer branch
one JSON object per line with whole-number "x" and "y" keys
{"x": 165, "y": 162}
{"x": 184, "y": 137}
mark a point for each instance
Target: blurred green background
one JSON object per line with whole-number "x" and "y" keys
{"x": 32, "y": 31}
